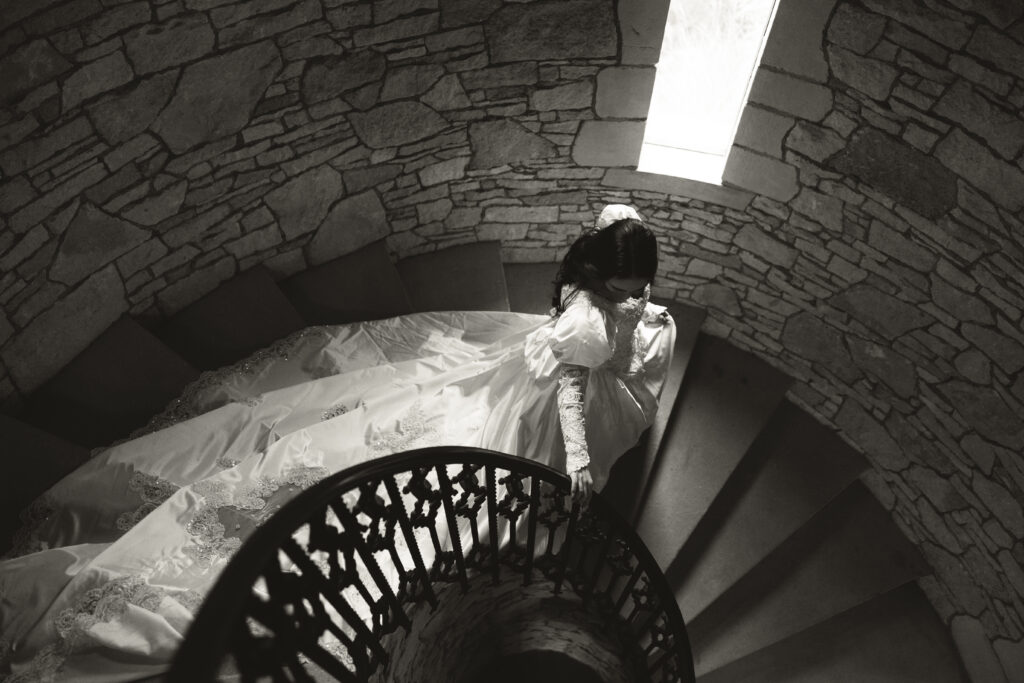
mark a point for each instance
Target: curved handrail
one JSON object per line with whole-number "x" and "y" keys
{"x": 342, "y": 515}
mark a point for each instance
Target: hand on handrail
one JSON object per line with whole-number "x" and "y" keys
{"x": 582, "y": 486}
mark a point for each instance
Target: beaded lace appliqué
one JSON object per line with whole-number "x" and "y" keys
{"x": 152, "y": 490}
{"x": 98, "y": 605}
{"x": 413, "y": 431}
{"x": 333, "y": 411}
{"x": 193, "y": 401}
{"x": 26, "y": 539}
{"x": 212, "y": 540}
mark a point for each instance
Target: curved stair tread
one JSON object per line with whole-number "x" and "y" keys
{"x": 113, "y": 387}
{"x": 33, "y": 461}
{"x": 632, "y": 472}
{"x": 727, "y": 397}
{"x": 849, "y": 553}
{"x": 893, "y": 638}
{"x": 793, "y": 469}
{"x": 465, "y": 277}
{"x": 246, "y": 313}
{"x": 363, "y": 285}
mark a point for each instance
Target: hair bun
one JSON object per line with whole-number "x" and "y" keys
{"x": 616, "y": 212}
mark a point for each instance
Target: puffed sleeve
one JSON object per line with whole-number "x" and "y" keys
{"x": 582, "y": 335}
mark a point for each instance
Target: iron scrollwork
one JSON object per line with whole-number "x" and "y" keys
{"x": 343, "y": 565}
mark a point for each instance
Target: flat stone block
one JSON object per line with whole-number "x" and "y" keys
{"x": 93, "y": 239}
{"x": 202, "y": 109}
{"x": 352, "y": 223}
{"x": 716, "y": 194}
{"x": 872, "y": 77}
{"x": 855, "y": 29}
{"x": 1002, "y": 182}
{"x": 521, "y": 214}
{"x": 579, "y": 95}
{"x": 56, "y": 336}
{"x": 624, "y": 92}
{"x": 642, "y": 25}
{"x": 760, "y": 174}
{"x": 792, "y": 95}
{"x": 176, "y": 41}
{"x": 794, "y": 43}
{"x": 762, "y": 130}
{"x": 396, "y": 124}
{"x": 608, "y": 143}
{"x": 302, "y": 203}
{"x": 500, "y": 142}
{"x": 30, "y": 65}
{"x": 94, "y": 78}
{"x": 1003, "y": 130}
{"x": 568, "y": 29}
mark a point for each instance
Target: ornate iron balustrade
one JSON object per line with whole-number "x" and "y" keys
{"x": 342, "y": 565}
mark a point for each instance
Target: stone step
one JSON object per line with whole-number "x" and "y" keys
{"x": 33, "y": 460}
{"x": 113, "y": 387}
{"x": 793, "y": 469}
{"x": 244, "y": 314}
{"x": 848, "y": 554}
{"x": 363, "y": 285}
{"x": 530, "y": 286}
{"x": 727, "y": 397}
{"x": 893, "y": 638}
{"x": 466, "y": 277}
{"x": 631, "y": 473}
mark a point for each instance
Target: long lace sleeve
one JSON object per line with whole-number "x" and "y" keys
{"x": 572, "y": 387}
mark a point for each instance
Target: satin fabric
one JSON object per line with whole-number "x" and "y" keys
{"x": 115, "y": 558}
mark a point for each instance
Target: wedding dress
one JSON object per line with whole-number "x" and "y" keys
{"x": 114, "y": 560}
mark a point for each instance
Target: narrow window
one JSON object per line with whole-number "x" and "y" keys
{"x": 708, "y": 58}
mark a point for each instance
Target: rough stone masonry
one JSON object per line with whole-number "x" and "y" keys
{"x": 868, "y": 242}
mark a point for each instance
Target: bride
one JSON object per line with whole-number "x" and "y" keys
{"x": 114, "y": 560}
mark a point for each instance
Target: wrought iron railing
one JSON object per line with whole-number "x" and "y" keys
{"x": 343, "y": 565}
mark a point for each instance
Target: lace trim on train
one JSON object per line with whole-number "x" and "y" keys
{"x": 212, "y": 542}
{"x": 152, "y": 490}
{"x": 193, "y": 401}
{"x": 413, "y": 431}
{"x": 26, "y": 539}
{"x": 99, "y": 605}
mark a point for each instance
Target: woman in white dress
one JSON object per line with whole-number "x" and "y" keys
{"x": 113, "y": 561}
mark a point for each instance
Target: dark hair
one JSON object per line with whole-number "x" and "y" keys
{"x": 625, "y": 248}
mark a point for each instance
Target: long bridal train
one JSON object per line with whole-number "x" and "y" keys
{"x": 120, "y": 550}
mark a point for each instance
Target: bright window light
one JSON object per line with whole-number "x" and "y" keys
{"x": 708, "y": 59}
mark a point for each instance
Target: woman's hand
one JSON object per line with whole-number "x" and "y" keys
{"x": 582, "y": 486}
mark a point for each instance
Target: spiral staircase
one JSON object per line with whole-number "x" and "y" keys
{"x": 784, "y": 566}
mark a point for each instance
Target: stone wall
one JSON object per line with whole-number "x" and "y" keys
{"x": 868, "y": 240}
{"x": 472, "y": 631}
